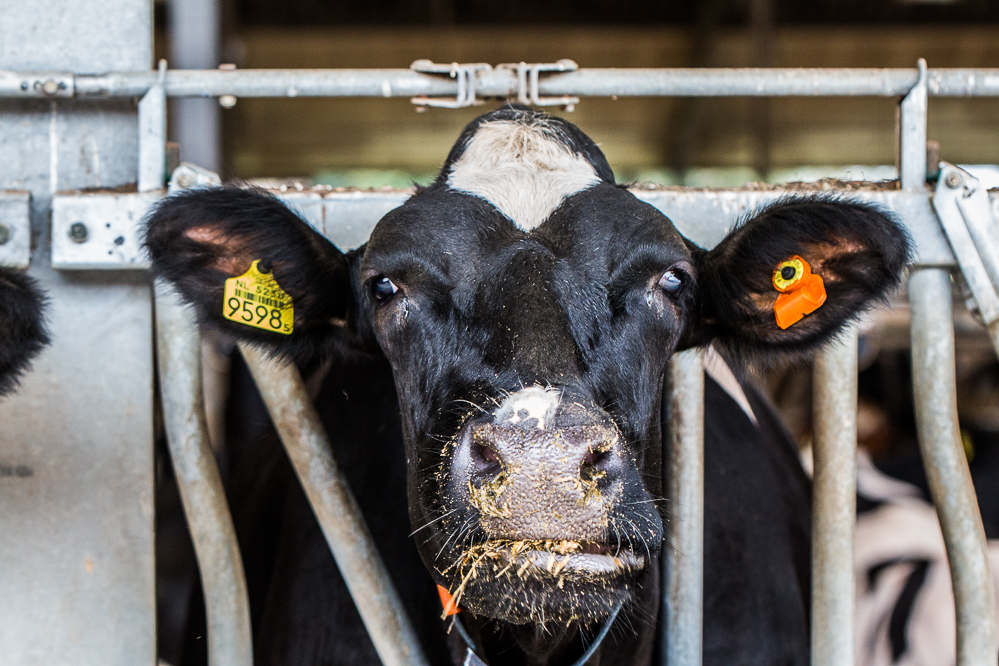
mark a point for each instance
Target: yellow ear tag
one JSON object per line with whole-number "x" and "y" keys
{"x": 256, "y": 299}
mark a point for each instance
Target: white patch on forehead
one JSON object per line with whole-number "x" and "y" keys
{"x": 533, "y": 402}
{"x": 522, "y": 169}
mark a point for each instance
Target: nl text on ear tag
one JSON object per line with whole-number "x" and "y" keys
{"x": 802, "y": 291}
{"x": 255, "y": 299}
{"x": 447, "y": 601}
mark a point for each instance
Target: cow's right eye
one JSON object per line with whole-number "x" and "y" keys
{"x": 382, "y": 289}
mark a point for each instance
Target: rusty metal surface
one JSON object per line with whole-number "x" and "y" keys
{"x": 339, "y": 517}
{"x": 834, "y": 501}
{"x": 946, "y": 466}
{"x": 683, "y": 552}
{"x": 227, "y": 605}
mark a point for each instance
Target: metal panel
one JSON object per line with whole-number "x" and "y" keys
{"x": 933, "y": 377}
{"x": 683, "y": 557}
{"x": 76, "y": 531}
{"x": 15, "y": 228}
{"x": 834, "y": 504}
{"x": 99, "y": 230}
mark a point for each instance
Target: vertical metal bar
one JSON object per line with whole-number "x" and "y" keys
{"x": 152, "y": 135}
{"x": 834, "y": 501}
{"x": 912, "y": 134}
{"x": 339, "y": 517}
{"x": 946, "y": 466}
{"x": 226, "y": 602}
{"x": 684, "y": 552}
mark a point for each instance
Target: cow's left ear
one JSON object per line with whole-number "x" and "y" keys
{"x": 858, "y": 250}
{"x": 22, "y": 325}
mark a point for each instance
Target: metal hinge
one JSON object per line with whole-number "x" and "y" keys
{"x": 466, "y": 75}
{"x": 965, "y": 211}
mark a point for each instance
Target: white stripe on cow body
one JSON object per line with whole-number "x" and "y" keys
{"x": 522, "y": 168}
{"x": 533, "y": 402}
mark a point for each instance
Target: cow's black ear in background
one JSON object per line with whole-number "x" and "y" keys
{"x": 200, "y": 238}
{"x": 858, "y": 250}
{"x": 22, "y": 325}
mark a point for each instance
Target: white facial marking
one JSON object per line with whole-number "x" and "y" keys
{"x": 522, "y": 169}
{"x": 533, "y": 402}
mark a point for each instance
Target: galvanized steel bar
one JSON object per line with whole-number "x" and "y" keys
{"x": 834, "y": 501}
{"x": 912, "y": 134}
{"x": 340, "y": 518}
{"x": 683, "y": 559}
{"x": 592, "y": 82}
{"x": 152, "y": 135}
{"x": 227, "y": 605}
{"x": 946, "y": 466}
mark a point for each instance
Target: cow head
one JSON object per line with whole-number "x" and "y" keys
{"x": 528, "y": 306}
{"x": 22, "y": 329}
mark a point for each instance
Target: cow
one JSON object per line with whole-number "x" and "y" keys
{"x": 494, "y": 359}
{"x": 22, "y": 325}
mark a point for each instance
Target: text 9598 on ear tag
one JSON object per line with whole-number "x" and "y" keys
{"x": 255, "y": 299}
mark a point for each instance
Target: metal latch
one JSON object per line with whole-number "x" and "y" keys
{"x": 967, "y": 218}
{"x": 15, "y": 228}
{"x": 465, "y": 74}
{"x": 527, "y": 82}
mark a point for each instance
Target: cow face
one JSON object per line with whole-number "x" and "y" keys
{"x": 22, "y": 327}
{"x": 528, "y": 306}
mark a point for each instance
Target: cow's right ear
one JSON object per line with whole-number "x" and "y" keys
{"x": 198, "y": 239}
{"x": 22, "y": 325}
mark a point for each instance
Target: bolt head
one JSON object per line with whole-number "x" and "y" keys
{"x": 4, "y": 234}
{"x": 185, "y": 180}
{"x": 78, "y": 232}
{"x": 50, "y": 87}
{"x": 953, "y": 180}
{"x": 227, "y": 101}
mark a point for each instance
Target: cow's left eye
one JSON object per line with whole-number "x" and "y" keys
{"x": 672, "y": 282}
{"x": 383, "y": 289}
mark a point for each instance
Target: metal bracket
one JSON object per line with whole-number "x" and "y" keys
{"x": 527, "y": 82}
{"x": 38, "y": 84}
{"x": 912, "y": 134}
{"x": 965, "y": 212}
{"x": 189, "y": 176}
{"x": 466, "y": 75}
{"x": 100, "y": 229}
{"x": 15, "y": 228}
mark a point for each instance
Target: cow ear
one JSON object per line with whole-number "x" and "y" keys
{"x": 858, "y": 250}
{"x": 199, "y": 239}
{"x": 22, "y": 325}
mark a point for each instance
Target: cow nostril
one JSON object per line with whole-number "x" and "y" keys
{"x": 592, "y": 470}
{"x": 486, "y": 460}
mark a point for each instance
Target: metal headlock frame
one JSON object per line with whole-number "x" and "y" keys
{"x": 957, "y": 234}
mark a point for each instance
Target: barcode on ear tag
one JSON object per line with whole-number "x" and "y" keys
{"x": 255, "y": 299}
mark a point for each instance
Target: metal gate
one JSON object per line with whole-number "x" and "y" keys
{"x": 84, "y": 247}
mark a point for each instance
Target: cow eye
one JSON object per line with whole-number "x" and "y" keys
{"x": 382, "y": 289}
{"x": 672, "y": 282}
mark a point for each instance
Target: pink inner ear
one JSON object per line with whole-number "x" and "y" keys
{"x": 818, "y": 254}
{"x": 230, "y": 255}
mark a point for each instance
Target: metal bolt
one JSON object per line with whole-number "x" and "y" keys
{"x": 78, "y": 232}
{"x": 50, "y": 87}
{"x": 185, "y": 180}
{"x": 4, "y": 234}
{"x": 24, "y": 85}
{"x": 227, "y": 101}
{"x": 953, "y": 180}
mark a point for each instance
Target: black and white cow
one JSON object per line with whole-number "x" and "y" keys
{"x": 22, "y": 328}
{"x": 497, "y": 352}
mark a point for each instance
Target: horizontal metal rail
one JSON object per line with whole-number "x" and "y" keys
{"x": 503, "y": 83}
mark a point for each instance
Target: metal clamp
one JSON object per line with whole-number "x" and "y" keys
{"x": 966, "y": 215}
{"x": 528, "y": 76}
{"x": 465, "y": 74}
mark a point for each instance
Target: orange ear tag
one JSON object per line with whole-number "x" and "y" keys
{"x": 447, "y": 601}
{"x": 802, "y": 292}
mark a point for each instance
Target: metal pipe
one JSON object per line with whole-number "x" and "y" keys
{"x": 339, "y": 517}
{"x": 227, "y": 605}
{"x": 683, "y": 561}
{"x": 912, "y": 134}
{"x": 593, "y": 82}
{"x": 152, "y": 134}
{"x": 946, "y": 466}
{"x": 834, "y": 501}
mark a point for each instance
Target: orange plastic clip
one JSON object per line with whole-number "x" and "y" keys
{"x": 447, "y": 601}
{"x": 802, "y": 292}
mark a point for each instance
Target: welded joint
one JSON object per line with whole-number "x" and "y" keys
{"x": 466, "y": 76}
